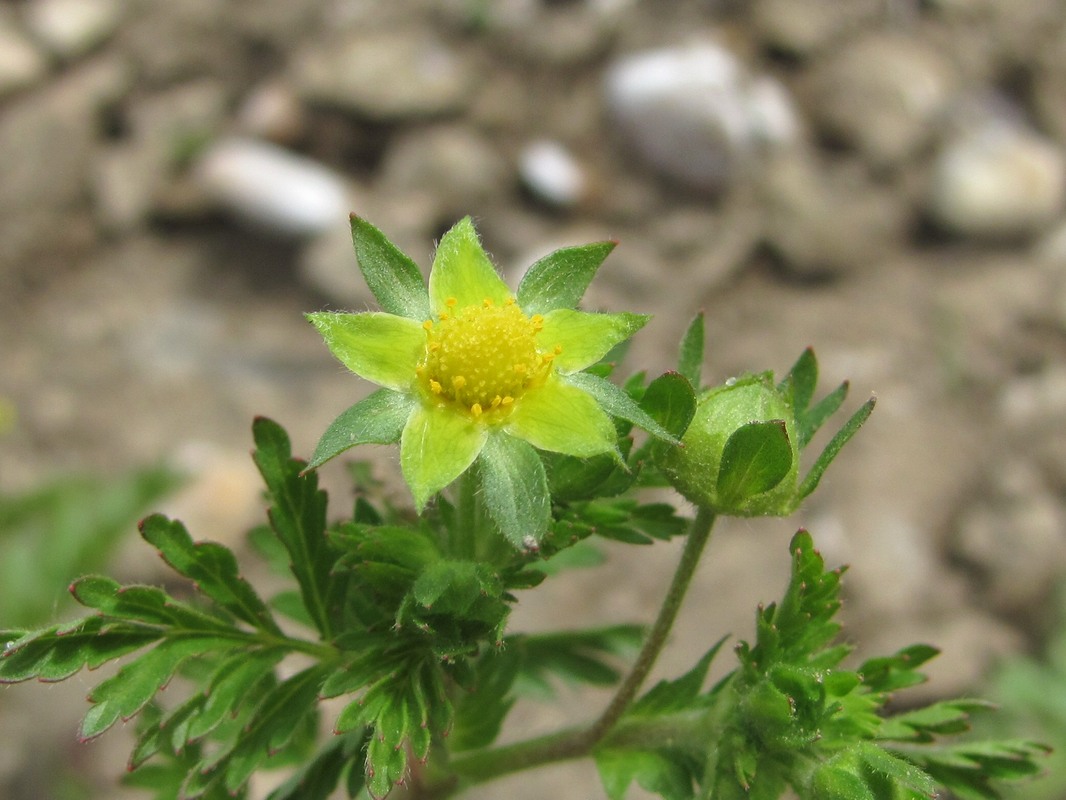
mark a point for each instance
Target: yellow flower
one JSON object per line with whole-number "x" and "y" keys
{"x": 475, "y": 372}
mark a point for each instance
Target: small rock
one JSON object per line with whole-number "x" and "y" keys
{"x": 384, "y": 76}
{"x": 997, "y": 180}
{"x": 21, "y": 63}
{"x": 1049, "y": 84}
{"x": 1014, "y": 540}
{"x": 452, "y": 162}
{"x": 801, "y": 27}
{"x": 696, "y": 114}
{"x": 881, "y": 94}
{"x": 552, "y": 174}
{"x": 70, "y": 28}
{"x": 272, "y": 112}
{"x": 820, "y": 221}
{"x": 272, "y": 188}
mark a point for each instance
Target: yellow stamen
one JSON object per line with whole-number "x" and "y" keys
{"x": 482, "y": 357}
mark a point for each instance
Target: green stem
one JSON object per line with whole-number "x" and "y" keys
{"x": 579, "y": 742}
{"x": 697, "y": 539}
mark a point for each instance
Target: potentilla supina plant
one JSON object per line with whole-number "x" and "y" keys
{"x": 475, "y": 374}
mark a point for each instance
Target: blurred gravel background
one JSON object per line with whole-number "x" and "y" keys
{"x": 882, "y": 179}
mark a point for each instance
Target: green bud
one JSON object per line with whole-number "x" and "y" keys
{"x": 740, "y": 454}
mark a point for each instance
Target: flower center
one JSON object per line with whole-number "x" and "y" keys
{"x": 484, "y": 357}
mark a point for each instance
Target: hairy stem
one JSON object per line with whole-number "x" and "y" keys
{"x": 698, "y": 536}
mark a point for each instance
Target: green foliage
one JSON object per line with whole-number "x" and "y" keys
{"x": 51, "y": 535}
{"x": 791, "y": 716}
{"x": 1030, "y": 692}
{"x": 403, "y": 617}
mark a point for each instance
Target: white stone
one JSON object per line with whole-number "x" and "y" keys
{"x": 883, "y": 94}
{"x": 695, "y": 113}
{"x": 997, "y": 180}
{"x": 552, "y": 173}
{"x": 271, "y": 187}
{"x": 69, "y": 28}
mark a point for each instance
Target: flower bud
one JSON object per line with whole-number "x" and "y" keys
{"x": 740, "y": 454}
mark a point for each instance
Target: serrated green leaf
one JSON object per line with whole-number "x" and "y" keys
{"x": 479, "y": 714}
{"x": 901, "y": 773}
{"x": 836, "y": 444}
{"x": 378, "y": 418}
{"x": 756, "y": 458}
{"x": 898, "y": 671}
{"x": 317, "y": 779}
{"x": 148, "y": 604}
{"x": 619, "y": 404}
{"x": 124, "y": 694}
{"x": 690, "y": 357}
{"x": 276, "y": 719}
{"x": 680, "y": 693}
{"x": 559, "y": 280}
{"x": 231, "y": 687}
{"x": 212, "y": 567}
{"x": 654, "y": 771}
{"x": 515, "y": 489}
{"x": 298, "y": 517}
{"x": 394, "y": 279}
{"x": 56, "y": 653}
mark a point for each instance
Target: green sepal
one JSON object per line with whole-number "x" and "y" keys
{"x": 801, "y": 381}
{"x": 617, "y": 403}
{"x": 514, "y": 490}
{"x": 378, "y": 418}
{"x": 394, "y": 279}
{"x": 755, "y": 459}
{"x": 836, "y": 444}
{"x": 670, "y": 401}
{"x": 690, "y": 355}
{"x": 559, "y": 280}
{"x": 212, "y": 567}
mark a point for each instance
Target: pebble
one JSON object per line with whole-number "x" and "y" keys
{"x": 71, "y": 28}
{"x": 821, "y": 220}
{"x": 21, "y": 63}
{"x": 997, "y": 180}
{"x": 272, "y": 112}
{"x": 696, "y": 114}
{"x": 271, "y": 187}
{"x": 803, "y": 27}
{"x": 552, "y": 174}
{"x": 882, "y": 94}
{"x": 453, "y": 163}
{"x": 1014, "y": 540}
{"x": 385, "y": 77}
